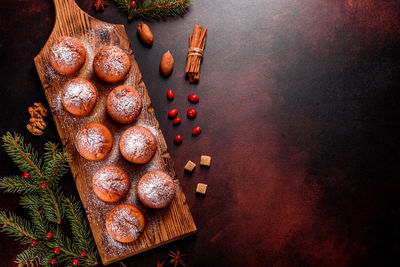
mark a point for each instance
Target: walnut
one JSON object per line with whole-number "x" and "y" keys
{"x": 34, "y": 130}
{"x": 39, "y": 107}
{"x": 36, "y": 122}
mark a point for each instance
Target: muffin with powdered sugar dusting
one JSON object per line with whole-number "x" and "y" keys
{"x": 67, "y": 55}
{"x": 156, "y": 189}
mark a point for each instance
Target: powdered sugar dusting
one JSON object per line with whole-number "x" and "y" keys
{"x": 124, "y": 104}
{"x": 64, "y": 55}
{"x": 111, "y": 60}
{"x": 156, "y": 189}
{"x": 112, "y": 181}
{"x": 67, "y": 55}
{"x": 123, "y": 223}
{"x": 137, "y": 143}
{"x": 79, "y": 93}
{"x": 92, "y": 139}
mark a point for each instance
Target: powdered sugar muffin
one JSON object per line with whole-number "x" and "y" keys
{"x": 111, "y": 64}
{"x": 110, "y": 183}
{"x": 156, "y": 189}
{"x": 67, "y": 55}
{"x": 125, "y": 223}
{"x": 124, "y": 104}
{"x": 138, "y": 145}
{"x": 79, "y": 96}
{"x": 94, "y": 141}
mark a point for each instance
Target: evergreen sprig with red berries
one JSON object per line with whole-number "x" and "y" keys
{"x": 47, "y": 209}
{"x": 152, "y": 9}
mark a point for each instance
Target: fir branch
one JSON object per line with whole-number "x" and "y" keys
{"x": 154, "y": 9}
{"x": 29, "y": 257}
{"x": 17, "y": 184}
{"x": 33, "y": 204}
{"x": 23, "y": 154}
{"x": 45, "y": 206}
{"x": 28, "y": 161}
{"x": 17, "y": 227}
{"x": 79, "y": 227}
{"x": 56, "y": 163}
{"x": 53, "y": 210}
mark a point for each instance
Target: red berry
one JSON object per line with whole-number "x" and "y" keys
{"x": 170, "y": 95}
{"x": 57, "y": 250}
{"x": 83, "y": 253}
{"x": 177, "y": 121}
{"x": 193, "y": 98}
{"x": 172, "y": 113}
{"x": 43, "y": 185}
{"x": 33, "y": 243}
{"x": 178, "y": 139}
{"x": 53, "y": 261}
{"x": 191, "y": 113}
{"x": 49, "y": 235}
{"x": 196, "y": 130}
{"x": 133, "y": 4}
{"x": 26, "y": 175}
{"x": 75, "y": 261}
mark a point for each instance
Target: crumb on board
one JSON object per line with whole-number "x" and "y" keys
{"x": 201, "y": 188}
{"x": 190, "y": 165}
{"x": 205, "y": 160}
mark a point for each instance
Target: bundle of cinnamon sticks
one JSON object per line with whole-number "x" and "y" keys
{"x": 197, "y": 42}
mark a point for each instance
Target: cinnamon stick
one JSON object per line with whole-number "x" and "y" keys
{"x": 197, "y": 43}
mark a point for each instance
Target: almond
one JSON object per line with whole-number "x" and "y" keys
{"x": 145, "y": 34}
{"x": 167, "y": 63}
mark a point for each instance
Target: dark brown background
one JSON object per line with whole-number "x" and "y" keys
{"x": 299, "y": 103}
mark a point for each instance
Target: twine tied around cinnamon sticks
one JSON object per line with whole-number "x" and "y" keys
{"x": 197, "y": 42}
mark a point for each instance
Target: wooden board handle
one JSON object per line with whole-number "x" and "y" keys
{"x": 67, "y": 13}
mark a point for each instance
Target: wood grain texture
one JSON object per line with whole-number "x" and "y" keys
{"x": 162, "y": 226}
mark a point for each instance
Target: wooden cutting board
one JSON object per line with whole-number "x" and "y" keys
{"x": 162, "y": 226}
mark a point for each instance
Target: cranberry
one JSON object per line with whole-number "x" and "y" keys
{"x": 170, "y": 95}
{"x": 196, "y": 130}
{"x": 172, "y": 113}
{"x": 83, "y": 253}
{"x": 53, "y": 261}
{"x": 75, "y": 262}
{"x": 133, "y": 3}
{"x": 178, "y": 139}
{"x": 33, "y": 243}
{"x": 193, "y": 98}
{"x": 177, "y": 121}
{"x": 43, "y": 185}
{"x": 49, "y": 235}
{"x": 191, "y": 113}
{"x": 57, "y": 250}
{"x": 26, "y": 175}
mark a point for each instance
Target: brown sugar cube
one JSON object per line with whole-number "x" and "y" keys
{"x": 201, "y": 188}
{"x": 190, "y": 165}
{"x": 205, "y": 160}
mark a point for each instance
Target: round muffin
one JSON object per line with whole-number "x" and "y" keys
{"x": 124, "y": 104}
{"x": 111, "y": 64}
{"x": 137, "y": 145}
{"x": 110, "y": 183}
{"x": 156, "y": 189}
{"x": 79, "y": 96}
{"x": 67, "y": 55}
{"x": 125, "y": 223}
{"x": 94, "y": 141}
